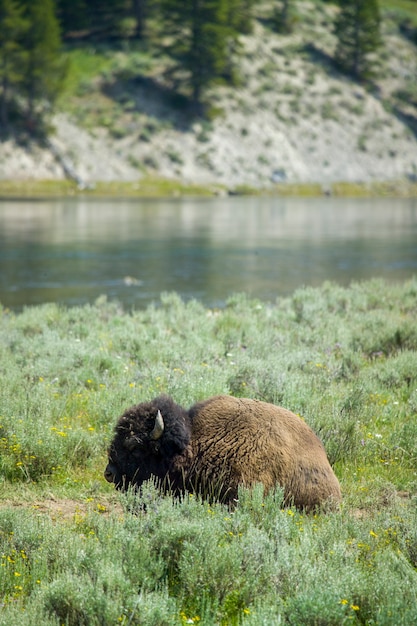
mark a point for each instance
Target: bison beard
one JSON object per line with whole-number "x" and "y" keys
{"x": 217, "y": 445}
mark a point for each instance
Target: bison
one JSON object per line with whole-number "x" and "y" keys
{"x": 217, "y": 445}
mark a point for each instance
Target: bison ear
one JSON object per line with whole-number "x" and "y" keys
{"x": 158, "y": 428}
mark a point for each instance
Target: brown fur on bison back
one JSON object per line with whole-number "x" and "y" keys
{"x": 243, "y": 441}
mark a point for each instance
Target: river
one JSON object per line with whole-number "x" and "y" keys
{"x": 72, "y": 251}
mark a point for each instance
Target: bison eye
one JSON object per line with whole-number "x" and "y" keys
{"x": 133, "y": 442}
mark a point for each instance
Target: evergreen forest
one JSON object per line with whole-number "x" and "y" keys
{"x": 199, "y": 41}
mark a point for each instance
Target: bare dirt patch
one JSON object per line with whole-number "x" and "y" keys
{"x": 67, "y": 509}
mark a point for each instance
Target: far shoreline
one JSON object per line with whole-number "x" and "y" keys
{"x": 148, "y": 188}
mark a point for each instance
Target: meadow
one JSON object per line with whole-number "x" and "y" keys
{"x": 75, "y": 552}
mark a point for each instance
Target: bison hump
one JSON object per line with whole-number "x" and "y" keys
{"x": 245, "y": 418}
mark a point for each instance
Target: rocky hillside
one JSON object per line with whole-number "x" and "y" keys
{"x": 293, "y": 118}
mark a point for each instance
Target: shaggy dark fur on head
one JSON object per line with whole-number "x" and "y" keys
{"x": 134, "y": 456}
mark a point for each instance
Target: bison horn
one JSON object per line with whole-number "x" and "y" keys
{"x": 158, "y": 429}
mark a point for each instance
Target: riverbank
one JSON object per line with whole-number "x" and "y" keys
{"x": 150, "y": 187}
{"x": 293, "y": 126}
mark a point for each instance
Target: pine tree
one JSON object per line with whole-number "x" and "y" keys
{"x": 72, "y": 15}
{"x": 357, "y": 28}
{"x": 239, "y": 19}
{"x": 12, "y": 54}
{"x": 283, "y": 17}
{"x": 241, "y": 15}
{"x": 140, "y": 10}
{"x": 201, "y": 38}
{"x": 44, "y": 70}
{"x": 102, "y": 18}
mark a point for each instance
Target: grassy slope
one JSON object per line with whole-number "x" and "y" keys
{"x": 300, "y": 100}
{"x": 406, "y": 8}
{"x": 344, "y": 359}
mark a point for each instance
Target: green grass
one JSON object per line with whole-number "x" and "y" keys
{"x": 84, "y": 66}
{"x": 404, "y": 8}
{"x": 144, "y": 187}
{"x": 75, "y": 552}
{"x": 156, "y": 187}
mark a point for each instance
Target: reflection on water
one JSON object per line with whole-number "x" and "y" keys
{"x": 72, "y": 251}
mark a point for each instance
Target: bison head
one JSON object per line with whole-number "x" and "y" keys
{"x": 149, "y": 438}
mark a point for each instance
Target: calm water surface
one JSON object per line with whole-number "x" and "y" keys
{"x": 73, "y": 251}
